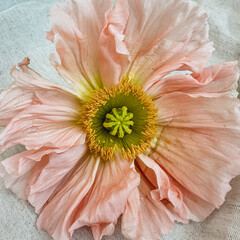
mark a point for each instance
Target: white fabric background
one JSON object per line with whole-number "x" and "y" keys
{"x": 22, "y": 33}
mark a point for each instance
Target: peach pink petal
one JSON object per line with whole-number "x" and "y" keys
{"x": 197, "y": 209}
{"x": 42, "y": 184}
{"x": 96, "y": 200}
{"x": 13, "y": 101}
{"x": 101, "y": 230}
{"x": 29, "y": 88}
{"x": 145, "y": 218}
{"x": 16, "y": 169}
{"x": 218, "y": 78}
{"x": 59, "y": 214}
{"x": 45, "y": 92}
{"x": 199, "y": 135}
{"x": 214, "y": 112}
{"x": 113, "y": 54}
{"x": 108, "y": 196}
{"x": 41, "y": 125}
{"x": 155, "y": 205}
{"x": 215, "y": 79}
{"x": 75, "y": 30}
{"x": 45, "y": 118}
{"x": 163, "y": 36}
{"x": 162, "y": 187}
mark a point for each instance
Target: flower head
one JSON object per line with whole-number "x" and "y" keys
{"x": 119, "y": 119}
{"x": 130, "y": 139}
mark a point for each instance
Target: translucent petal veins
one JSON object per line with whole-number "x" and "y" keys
{"x": 119, "y": 119}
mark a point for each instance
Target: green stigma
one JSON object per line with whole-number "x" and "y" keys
{"x": 118, "y": 122}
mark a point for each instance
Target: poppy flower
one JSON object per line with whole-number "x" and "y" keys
{"x": 129, "y": 138}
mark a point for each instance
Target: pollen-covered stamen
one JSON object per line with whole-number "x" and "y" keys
{"x": 118, "y": 122}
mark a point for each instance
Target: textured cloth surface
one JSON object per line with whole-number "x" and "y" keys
{"x": 22, "y": 33}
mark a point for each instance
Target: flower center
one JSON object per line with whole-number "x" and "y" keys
{"x": 118, "y": 122}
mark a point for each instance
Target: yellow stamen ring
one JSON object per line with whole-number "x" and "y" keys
{"x": 119, "y": 119}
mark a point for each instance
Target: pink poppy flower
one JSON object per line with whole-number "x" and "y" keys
{"x": 130, "y": 140}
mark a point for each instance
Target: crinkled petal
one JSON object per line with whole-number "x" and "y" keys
{"x": 182, "y": 110}
{"x": 75, "y": 30}
{"x": 95, "y": 195}
{"x": 199, "y": 145}
{"x": 164, "y": 36}
{"x": 103, "y": 229}
{"x": 16, "y": 169}
{"x": 219, "y": 78}
{"x": 41, "y": 125}
{"x": 145, "y": 218}
{"x": 155, "y": 205}
{"x": 113, "y": 54}
{"x": 59, "y": 214}
{"x": 162, "y": 188}
{"x": 13, "y": 101}
{"x": 45, "y": 92}
{"x": 182, "y": 203}
{"x": 197, "y": 209}
{"x": 48, "y": 114}
{"x": 29, "y": 88}
{"x": 106, "y": 200}
{"x": 42, "y": 183}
